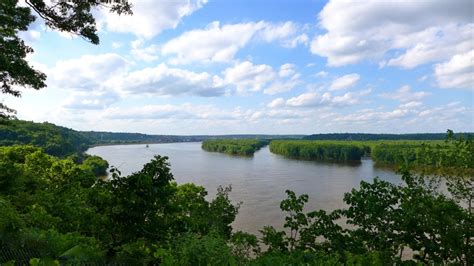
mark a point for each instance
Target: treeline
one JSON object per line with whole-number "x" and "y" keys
{"x": 98, "y": 137}
{"x": 365, "y": 136}
{"x": 54, "y": 140}
{"x": 423, "y": 154}
{"x": 429, "y": 155}
{"x": 61, "y": 141}
{"x": 56, "y": 211}
{"x": 318, "y": 150}
{"x": 244, "y": 147}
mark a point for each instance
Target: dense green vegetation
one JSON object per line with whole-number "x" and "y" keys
{"x": 432, "y": 154}
{"x": 318, "y": 150}
{"x": 426, "y": 155}
{"x": 245, "y": 147}
{"x": 55, "y": 140}
{"x": 366, "y": 137}
{"x": 56, "y": 210}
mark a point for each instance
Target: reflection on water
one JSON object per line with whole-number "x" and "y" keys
{"x": 259, "y": 181}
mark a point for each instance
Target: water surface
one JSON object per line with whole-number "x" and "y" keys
{"x": 259, "y": 181}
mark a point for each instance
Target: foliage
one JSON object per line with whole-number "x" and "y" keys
{"x": 385, "y": 219}
{"x": 55, "y": 140}
{"x": 62, "y": 210}
{"x": 67, "y": 16}
{"x": 446, "y": 158}
{"x": 372, "y": 137}
{"x": 245, "y": 147}
{"x": 318, "y": 150}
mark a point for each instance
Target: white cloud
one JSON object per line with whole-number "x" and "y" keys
{"x": 149, "y": 17}
{"x": 345, "y": 82}
{"x": 163, "y": 80}
{"x": 214, "y": 43}
{"x": 409, "y": 117}
{"x": 281, "y": 31}
{"x": 314, "y": 99}
{"x": 90, "y": 100}
{"x": 247, "y": 77}
{"x": 280, "y": 86}
{"x": 220, "y": 43}
{"x": 305, "y": 99}
{"x": 412, "y": 104}
{"x": 322, "y": 74}
{"x": 433, "y": 44}
{"x": 405, "y": 94}
{"x": 278, "y": 102}
{"x": 424, "y": 31}
{"x": 294, "y": 42}
{"x": 147, "y": 54}
{"x": 86, "y": 72}
{"x": 458, "y": 72}
{"x": 286, "y": 70}
{"x": 180, "y": 112}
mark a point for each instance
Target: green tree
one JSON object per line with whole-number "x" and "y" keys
{"x": 67, "y": 16}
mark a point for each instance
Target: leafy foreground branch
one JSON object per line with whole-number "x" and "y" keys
{"x": 56, "y": 211}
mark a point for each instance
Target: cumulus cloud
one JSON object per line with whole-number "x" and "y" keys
{"x": 164, "y": 80}
{"x": 294, "y": 42}
{"x": 278, "y": 102}
{"x": 314, "y": 99}
{"x": 90, "y": 100}
{"x": 280, "y": 86}
{"x": 147, "y": 54}
{"x": 150, "y": 17}
{"x": 86, "y": 72}
{"x": 286, "y": 70}
{"x": 405, "y": 94}
{"x": 433, "y": 44}
{"x": 272, "y": 32}
{"x": 458, "y": 72}
{"x": 425, "y": 31}
{"x": 344, "y": 82}
{"x": 220, "y": 43}
{"x": 247, "y": 77}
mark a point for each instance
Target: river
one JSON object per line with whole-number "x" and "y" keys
{"x": 259, "y": 182}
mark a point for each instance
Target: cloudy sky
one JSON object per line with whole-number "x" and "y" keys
{"x": 277, "y": 67}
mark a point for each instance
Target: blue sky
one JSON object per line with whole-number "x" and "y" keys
{"x": 275, "y": 67}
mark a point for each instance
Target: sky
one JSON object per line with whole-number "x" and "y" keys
{"x": 253, "y": 67}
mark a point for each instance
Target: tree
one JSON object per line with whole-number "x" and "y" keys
{"x": 68, "y": 16}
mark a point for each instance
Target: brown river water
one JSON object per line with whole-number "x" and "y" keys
{"x": 259, "y": 182}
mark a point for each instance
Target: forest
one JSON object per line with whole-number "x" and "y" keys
{"x": 56, "y": 211}
{"x": 318, "y": 150}
{"x": 245, "y": 147}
